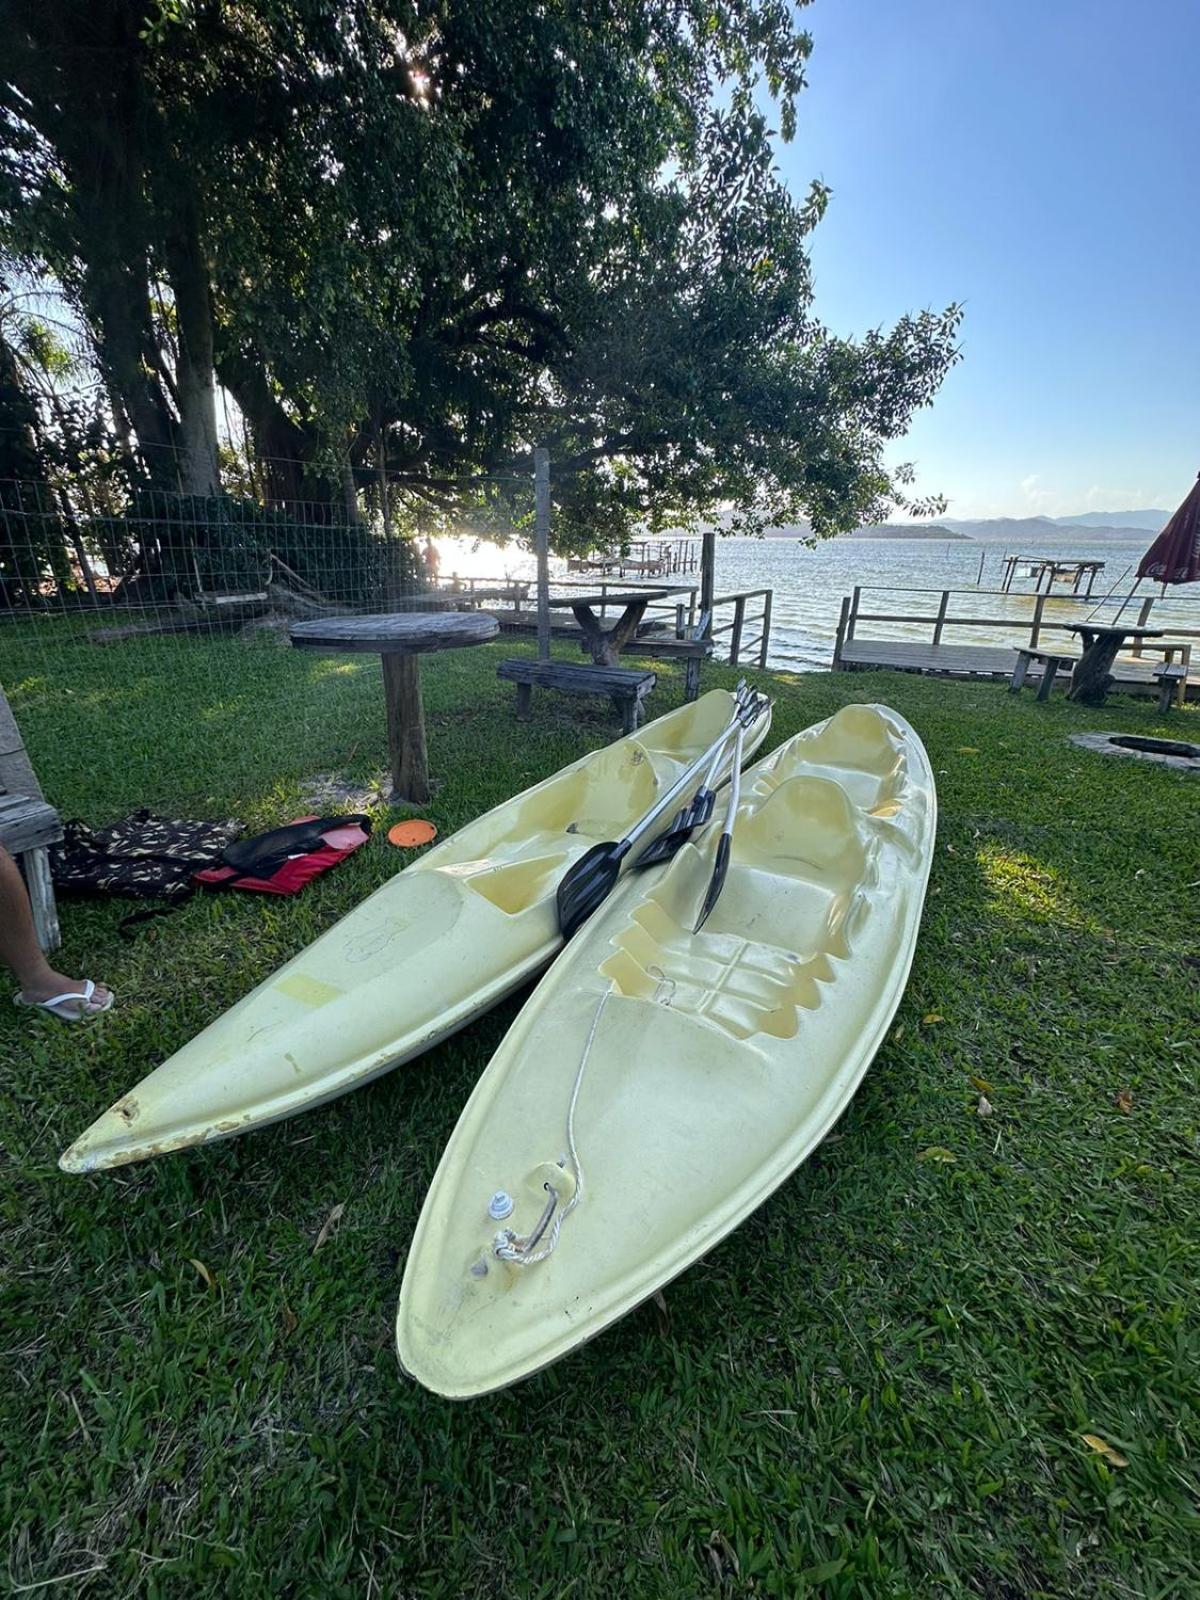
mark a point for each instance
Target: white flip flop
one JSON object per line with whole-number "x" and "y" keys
{"x": 85, "y": 1012}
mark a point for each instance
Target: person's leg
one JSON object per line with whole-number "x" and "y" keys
{"x": 20, "y": 951}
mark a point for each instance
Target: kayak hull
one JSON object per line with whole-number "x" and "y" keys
{"x": 659, "y": 1084}
{"x": 436, "y": 946}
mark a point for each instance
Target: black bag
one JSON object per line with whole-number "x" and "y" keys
{"x": 143, "y": 856}
{"x": 264, "y": 854}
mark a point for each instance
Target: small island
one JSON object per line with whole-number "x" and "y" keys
{"x": 907, "y": 530}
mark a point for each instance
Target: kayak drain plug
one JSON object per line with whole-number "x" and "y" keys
{"x": 500, "y": 1206}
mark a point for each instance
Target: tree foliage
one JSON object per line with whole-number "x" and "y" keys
{"x": 412, "y": 241}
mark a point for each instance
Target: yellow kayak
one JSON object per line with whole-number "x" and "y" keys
{"x": 439, "y": 944}
{"x": 660, "y": 1083}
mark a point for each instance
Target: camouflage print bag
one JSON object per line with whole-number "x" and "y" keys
{"x": 142, "y": 857}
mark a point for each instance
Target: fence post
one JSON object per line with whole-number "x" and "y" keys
{"x": 1039, "y": 605}
{"x": 840, "y": 637}
{"x": 853, "y": 617}
{"x": 766, "y": 627}
{"x": 941, "y": 617}
{"x": 541, "y": 502}
{"x": 708, "y": 567}
{"x": 1143, "y": 619}
{"x": 679, "y": 620}
{"x": 735, "y": 637}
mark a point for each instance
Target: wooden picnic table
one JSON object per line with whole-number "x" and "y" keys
{"x": 606, "y": 644}
{"x": 400, "y": 640}
{"x": 1092, "y": 676}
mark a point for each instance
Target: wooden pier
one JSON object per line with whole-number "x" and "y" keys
{"x": 644, "y": 558}
{"x": 1081, "y": 575}
{"x": 738, "y": 629}
{"x": 939, "y": 656}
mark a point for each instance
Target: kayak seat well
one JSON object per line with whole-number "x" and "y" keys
{"x": 514, "y": 886}
{"x": 599, "y": 800}
{"x": 858, "y": 746}
{"x": 799, "y": 866}
{"x": 692, "y": 727}
{"x": 743, "y": 987}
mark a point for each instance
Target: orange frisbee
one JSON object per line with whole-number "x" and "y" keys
{"x": 411, "y": 833}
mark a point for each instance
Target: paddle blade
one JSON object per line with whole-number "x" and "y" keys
{"x": 588, "y": 883}
{"x": 677, "y": 835}
{"x": 717, "y": 882}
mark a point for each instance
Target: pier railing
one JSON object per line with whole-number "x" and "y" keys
{"x": 1150, "y": 611}
{"x": 745, "y": 616}
{"x": 740, "y": 623}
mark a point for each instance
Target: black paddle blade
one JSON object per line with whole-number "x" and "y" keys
{"x": 588, "y": 884}
{"x": 717, "y": 882}
{"x": 677, "y": 835}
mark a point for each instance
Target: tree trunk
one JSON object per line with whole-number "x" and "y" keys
{"x": 287, "y": 452}
{"x": 188, "y": 274}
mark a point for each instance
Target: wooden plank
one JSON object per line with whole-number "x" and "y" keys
{"x": 16, "y": 770}
{"x": 576, "y": 679}
{"x": 40, "y": 885}
{"x": 27, "y": 823}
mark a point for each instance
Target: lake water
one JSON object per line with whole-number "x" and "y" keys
{"x": 809, "y": 584}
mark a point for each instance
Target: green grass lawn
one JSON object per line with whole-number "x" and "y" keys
{"x": 879, "y": 1386}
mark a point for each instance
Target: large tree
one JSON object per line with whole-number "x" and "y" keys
{"x": 412, "y": 241}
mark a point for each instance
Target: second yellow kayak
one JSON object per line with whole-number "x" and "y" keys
{"x": 660, "y": 1083}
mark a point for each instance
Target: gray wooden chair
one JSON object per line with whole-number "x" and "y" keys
{"x": 28, "y": 826}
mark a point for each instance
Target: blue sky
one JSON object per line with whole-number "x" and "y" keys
{"x": 1038, "y": 160}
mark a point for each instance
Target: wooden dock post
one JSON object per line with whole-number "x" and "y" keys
{"x": 541, "y": 502}
{"x": 1144, "y": 611}
{"x": 708, "y": 567}
{"x": 941, "y": 617}
{"x": 1039, "y": 605}
{"x": 735, "y": 635}
{"x": 839, "y": 637}
{"x": 766, "y": 627}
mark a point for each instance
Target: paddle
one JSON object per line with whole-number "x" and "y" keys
{"x": 592, "y": 878}
{"x": 697, "y": 814}
{"x": 721, "y": 866}
{"x": 647, "y": 858}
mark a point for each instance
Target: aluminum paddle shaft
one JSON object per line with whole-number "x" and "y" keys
{"x": 697, "y": 814}
{"x": 594, "y": 875}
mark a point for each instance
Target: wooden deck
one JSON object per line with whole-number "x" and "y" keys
{"x": 986, "y": 661}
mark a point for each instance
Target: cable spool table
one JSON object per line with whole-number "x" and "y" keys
{"x": 399, "y": 640}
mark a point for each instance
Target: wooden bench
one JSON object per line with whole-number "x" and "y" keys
{"x": 28, "y": 826}
{"x": 1171, "y": 678}
{"x": 690, "y": 651}
{"x": 626, "y": 687}
{"x": 1052, "y": 661}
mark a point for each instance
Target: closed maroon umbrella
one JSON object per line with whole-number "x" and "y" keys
{"x": 1174, "y": 557}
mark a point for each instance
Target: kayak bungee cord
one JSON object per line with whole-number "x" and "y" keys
{"x": 518, "y": 1251}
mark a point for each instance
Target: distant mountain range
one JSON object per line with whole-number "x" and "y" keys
{"x": 1035, "y": 530}
{"x": 1092, "y": 527}
{"x": 908, "y": 530}
{"x": 1150, "y": 521}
